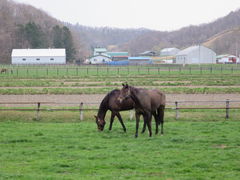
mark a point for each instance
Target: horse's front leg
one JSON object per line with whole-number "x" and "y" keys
{"x": 137, "y": 123}
{"x": 111, "y": 121}
{"x": 144, "y": 126}
{"x": 121, "y": 121}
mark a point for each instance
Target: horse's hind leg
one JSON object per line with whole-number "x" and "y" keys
{"x": 148, "y": 118}
{"x": 156, "y": 121}
{"x": 121, "y": 121}
{"x": 161, "y": 115}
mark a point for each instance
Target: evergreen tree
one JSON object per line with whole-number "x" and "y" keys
{"x": 68, "y": 44}
{"x": 34, "y": 35}
{"x": 57, "y": 37}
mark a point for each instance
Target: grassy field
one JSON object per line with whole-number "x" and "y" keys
{"x": 100, "y": 80}
{"x": 83, "y": 71}
{"x": 200, "y": 145}
{"x": 188, "y": 150}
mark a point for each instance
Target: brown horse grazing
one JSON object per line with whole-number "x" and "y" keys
{"x": 3, "y": 70}
{"x": 147, "y": 102}
{"x": 112, "y": 102}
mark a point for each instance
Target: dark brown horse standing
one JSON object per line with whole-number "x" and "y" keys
{"x": 114, "y": 103}
{"x": 147, "y": 102}
{"x": 111, "y": 102}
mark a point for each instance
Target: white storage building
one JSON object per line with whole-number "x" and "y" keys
{"x": 38, "y": 56}
{"x": 196, "y": 55}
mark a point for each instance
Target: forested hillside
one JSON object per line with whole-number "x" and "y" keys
{"x": 139, "y": 40}
{"x": 23, "y": 26}
{"x": 190, "y": 35}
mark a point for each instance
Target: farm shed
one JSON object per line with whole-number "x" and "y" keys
{"x": 139, "y": 60}
{"x": 99, "y": 59}
{"x": 169, "y": 51}
{"x": 196, "y": 55}
{"x": 38, "y": 56}
{"x": 227, "y": 59}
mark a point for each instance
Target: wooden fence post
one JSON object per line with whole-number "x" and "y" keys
{"x": 131, "y": 113}
{"x": 227, "y": 108}
{"x": 177, "y": 110}
{"x": 38, "y": 110}
{"x": 81, "y": 111}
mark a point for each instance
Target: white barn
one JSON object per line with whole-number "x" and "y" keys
{"x": 196, "y": 55}
{"x": 38, "y": 56}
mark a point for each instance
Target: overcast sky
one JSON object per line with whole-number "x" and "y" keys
{"x": 152, "y": 14}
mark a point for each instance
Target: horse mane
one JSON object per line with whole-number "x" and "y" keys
{"x": 134, "y": 98}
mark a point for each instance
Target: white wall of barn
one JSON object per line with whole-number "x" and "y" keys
{"x": 39, "y": 60}
{"x": 197, "y": 55}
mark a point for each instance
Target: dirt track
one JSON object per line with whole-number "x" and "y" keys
{"x": 96, "y": 99}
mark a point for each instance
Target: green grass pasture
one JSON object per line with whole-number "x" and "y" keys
{"x": 188, "y": 150}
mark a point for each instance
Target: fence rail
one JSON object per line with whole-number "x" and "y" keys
{"x": 115, "y": 70}
{"x": 175, "y": 107}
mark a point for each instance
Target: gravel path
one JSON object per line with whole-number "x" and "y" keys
{"x": 97, "y": 98}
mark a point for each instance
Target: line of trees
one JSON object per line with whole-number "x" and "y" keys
{"x": 31, "y": 35}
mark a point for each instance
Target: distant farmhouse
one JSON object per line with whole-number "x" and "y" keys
{"x": 38, "y": 56}
{"x": 102, "y": 56}
{"x": 196, "y": 55}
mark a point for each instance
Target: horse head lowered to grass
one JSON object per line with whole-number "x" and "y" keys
{"x": 147, "y": 103}
{"x": 111, "y": 102}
